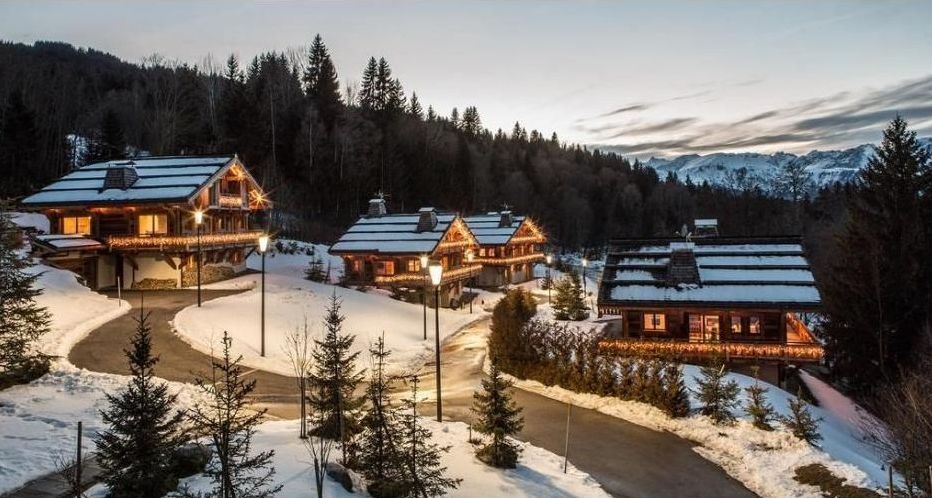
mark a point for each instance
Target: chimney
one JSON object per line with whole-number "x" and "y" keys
{"x": 682, "y": 267}
{"x": 377, "y": 208}
{"x": 427, "y": 220}
{"x": 706, "y": 227}
{"x": 506, "y": 220}
{"x": 121, "y": 176}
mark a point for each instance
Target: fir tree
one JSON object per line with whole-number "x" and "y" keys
{"x": 23, "y": 320}
{"x": 800, "y": 421}
{"x": 757, "y": 406}
{"x": 231, "y": 422}
{"x": 315, "y": 270}
{"x": 144, "y": 428}
{"x": 506, "y": 341}
{"x": 368, "y": 91}
{"x": 716, "y": 393}
{"x": 431, "y": 114}
{"x": 455, "y": 118}
{"x": 423, "y": 473}
{"x": 320, "y": 80}
{"x": 18, "y": 142}
{"x": 414, "y": 107}
{"x": 499, "y": 417}
{"x": 335, "y": 378}
{"x": 675, "y": 400}
{"x": 107, "y": 143}
{"x": 379, "y": 453}
{"x": 568, "y": 302}
{"x": 471, "y": 124}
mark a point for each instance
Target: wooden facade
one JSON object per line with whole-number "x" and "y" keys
{"x": 509, "y": 247}
{"x": 132, "y": 223}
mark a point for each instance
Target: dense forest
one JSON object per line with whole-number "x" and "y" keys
{"x": 324, "y": 144}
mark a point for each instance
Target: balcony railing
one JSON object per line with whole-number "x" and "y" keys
{"x": 422, "y": 279}
{"x": 510, "y": 260}
{"x": 230, "y": 200}
{"x": 808, "y": 352}
{"x": 183, "y": 242}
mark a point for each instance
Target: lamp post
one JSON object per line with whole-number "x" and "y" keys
{"x": 470, "y": 256}
{"x": 424, "y": 262}
{"x": 585, "y": 263}
{"x": 263, "y": 246}
{"x": 549, "y": 259}
{"x": 198, "y": 219}
{"x": 436, "y": 276}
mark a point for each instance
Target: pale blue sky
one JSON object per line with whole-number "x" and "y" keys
{"x": 685, "y": 76}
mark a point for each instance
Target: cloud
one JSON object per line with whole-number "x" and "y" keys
{"x": 621, "y": 110}
{"x": 663, "y": 126}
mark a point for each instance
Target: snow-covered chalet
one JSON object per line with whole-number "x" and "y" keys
{"x": 509, "y": 246}
{"x": 132, "y": 222}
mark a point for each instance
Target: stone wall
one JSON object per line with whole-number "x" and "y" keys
{"x": 156, "y": 284}
{"x": 209, "y": 274}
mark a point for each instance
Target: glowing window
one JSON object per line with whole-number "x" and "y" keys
{"x": 656, "y": 322}
{"x": 385, "y": 268}
{"x": 754, "y": 325}
{"x": 414, "y": 266}
{"x": 76, "y": 225}
{"x": 153, "y": 224}
{"x": 736, "y": 325}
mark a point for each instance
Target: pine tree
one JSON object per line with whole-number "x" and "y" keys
{"x": 716, "y": 393}
{"x": 414, "y": 107}
{"x": 144, "y": 428}
{"x": 455, "y": 118}
{"x": 431, "y": 113}
{"x": 568, "y": 302}
{"x": 335, "y": 379}
{"x": 509, "y": 317}
{"x": 499, "y": 417}
{"x": 424, "y": 476}
{"x": 379, "y": 448}
{"x": 320, "y": 80}
{"x": 471, "y": 124}
{"x": 675, "y": 393}
{"x": 368, "y": 90}
{"x": 23, "y": 320}
{"x": 231, "y": 423}
{"x": 315, "y": 270}
{"x": 19, "y": 149}
{"x": 757, "y": 406}
{"x": 800, "y": 421}
{"x": 109, "y": 142}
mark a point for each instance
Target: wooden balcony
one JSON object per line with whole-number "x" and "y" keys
{"x": 231, "y": 201}
{"x": 510, "y": 260}
{"x": 790, "y": 351}
{"x": 420, "y": 279}
{"x": 183, "y": 243}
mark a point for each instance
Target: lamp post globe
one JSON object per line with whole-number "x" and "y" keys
{"x": 263, "y": 247}
{"x": 436, "y": 277}
{"x": 549, "y": 259}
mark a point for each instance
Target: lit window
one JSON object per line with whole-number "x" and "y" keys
{"x": 414, "y": 266}
{"x": 385, "y": 268}
{"x": 153, "y": 224}
{"x": 76, "y": 225}
{"x": 656, "y": 322}
{"x": 754, "y": 325}
{"x": 481, "y": 252}
{"x": 357, "y": 266}
{"x": 695, "y": 324}
{"x": 711, "y": 324}
{"x": 491, "y": 252}
{"x": 735, "y": 324}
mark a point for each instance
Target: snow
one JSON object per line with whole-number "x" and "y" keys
{"x": 539, "y": 473}
{"x": 31, "y": 220}
{"x": 634, "y": 275}
{"x": 763, "y": 461}
{"x": 113, "y": 194}
{"x": 718, "y": 293}
{"x": 771, "y": 275}
{"x": 290, "y": 300}
{"x": 710, "y": 261}
{"x": 67, "y": 241}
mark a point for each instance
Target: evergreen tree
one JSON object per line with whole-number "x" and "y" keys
{"x": 368, "y": 90}
{"x": 499, "y": 417}
{"x": 716, "y": 393}
{"x": 19, "y": 148}
{"x": 471, "y": 124}
{"x": 109, "y": 142}
{"x": 231, "y": 422}
{"x": 320, "y": 80}
{"x": 335, "y": 378}
{"x": 800, "y": 421}
{"x": 144, "y": 428}
{"x": 414, "y": 107}
{"x": 379, "y": 448}
{"x": 455, "y": 118}
{"x": 506, "y": 342}
{"x": 424, "y": 476}
{"x": 568, "y": 301}
{"x": 431, "y": 114}
{"x": 23, "y": 320}
{"x": 878, "y": 291}
{"x": 315, "y": 270}
{"x": 675, "y": 400}
{"x": 757, "y": 406}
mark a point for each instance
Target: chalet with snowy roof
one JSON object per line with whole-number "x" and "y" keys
{"x": 737, "y": 297}
{"x": 133, "y": 222}
{"x": 509, "y": 246}
{"x": 385, "y": 250}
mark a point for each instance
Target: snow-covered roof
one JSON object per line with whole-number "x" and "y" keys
{"x": 66, "y": 242}
{"x": 160, "y": 179}
{"x": 488, "y": 230}
{"x": 393, "y": 234}
{"x": 747, "y": 272}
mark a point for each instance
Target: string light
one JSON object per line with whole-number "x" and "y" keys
{"x": 527, "y": 258}
{"x": 810, "y": 352}
{"x": 420, "y": 278}
{"x": 182, "y": 241}
{"x": 228, "y": 200}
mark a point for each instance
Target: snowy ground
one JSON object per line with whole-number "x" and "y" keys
{"x": 539, "y": 474}
{"x": 762, "y": 461}
{"x": 291, "y": 299}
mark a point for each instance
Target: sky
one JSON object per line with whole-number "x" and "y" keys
{"x": 646, "y": 78}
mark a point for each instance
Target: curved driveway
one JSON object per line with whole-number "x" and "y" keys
{"x": 627, "y": 459}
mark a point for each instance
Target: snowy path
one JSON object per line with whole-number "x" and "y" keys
{"x": 626, "y": 459}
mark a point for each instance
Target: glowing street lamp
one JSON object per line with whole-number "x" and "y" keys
{"x": 263, "y": 246}
{"x": 585, "y": 263}
{"x": 549, "y": 259}
{"x": 470, "y": 256}
{"x": 436, "y": 276}
{"x": 198, "y": 220}
{"x": 424, "y": 262}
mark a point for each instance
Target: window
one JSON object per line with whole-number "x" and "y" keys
{"x": 481, "y": 252}
{"x": 385, "y": 268}
{"x": 711, "y": 324}
{"x": 357, "y": 266}
{"x": 491, "y": 252}
{"x": 704, "y": 327}
{"x": 655, "y": 322}
{"x": 76, "y": 225}
{"x": 754, "y": 325}
{"x": 414, "y": 266}
{"x": 735, "y": 324}
{"x": 153, "y": 224}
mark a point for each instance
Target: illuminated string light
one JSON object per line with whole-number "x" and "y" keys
{"x": 809, "y": 352}
{"x": 182, "y": 241}
{"x": 419, "y": 278}
{"x": 527, "y": 258}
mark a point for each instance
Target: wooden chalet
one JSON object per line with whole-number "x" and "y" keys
{"x": 509, "y": 246}
{"x": 385, "y": 250}
{"x": 132, "y": 221}
{"x": 736, "y": 297}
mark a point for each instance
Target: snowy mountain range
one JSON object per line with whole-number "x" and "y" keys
{"x": 825, "y": 167}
